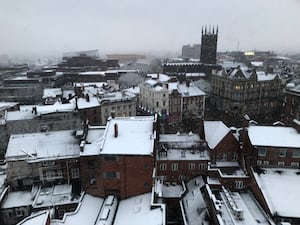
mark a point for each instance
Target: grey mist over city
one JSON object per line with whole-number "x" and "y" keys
{"x": 53, "y": 27}
{"x": 149, "y": 112}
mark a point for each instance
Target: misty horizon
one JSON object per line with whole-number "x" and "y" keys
{"x": 131, "y": 26}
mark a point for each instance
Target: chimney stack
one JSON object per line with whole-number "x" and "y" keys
{"x": 113, "y": 114}
{"x": 187, "y": 83}
{"x": 116, "y": 130}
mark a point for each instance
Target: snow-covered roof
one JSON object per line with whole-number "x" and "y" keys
{"x": 53, "y": 196}
{"x": 151, "y": 82}
{"x": 86, "y": 212}
{"x": 26, "y": 112}
{"x": 262, "y": 76}
{"x": 195, "y": 74}
{"x": 178, "y": 138}
{"x": 257, "y": 63}
{"x": 190, "y": 91}
{"x": 95, "y": 101}
{"x": 280, "y": 187}
{"x": 52, "y": 92}
{"x": 39, "y": 218}
{"x": 94, "y": 141}
{"x": 133, "y": 90}
{"x": 7, "y": 105}
{"x": 274, "y": 136}
{"x": 193, "y": 206}
{"x": 161, "y": 77}
{"x": 135, "y": 136}
{"x": 232, "y": 64}
{"x": 238, "y": 208}
{"x": 215, "y": 131}
{"x": 19, "y": 115}
{"x": 17, "y": 199}
{"x": 42, "y": 146}
{"x": 136, "y": 210}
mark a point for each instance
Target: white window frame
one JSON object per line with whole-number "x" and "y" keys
{"x": 239, "y": 184}
{"x": 294, "y": 164}
{"x": 163, "y": 167}
{"x": 174, "y": 166}
{"x": 261, "y": 153}
{"x": 266, "y": 163}
{"x": 192, "y": 166}
{"x": 235, "y": 156}
{"x": 259, "y": 162}
{"x": 224, "y": 157}
{"x": 280, "y": 163}
{"x": 296, "y": 155}
{"x": 282, "y": 150}
{"x": 202, "y": 166}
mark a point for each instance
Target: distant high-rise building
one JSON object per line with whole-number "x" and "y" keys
{"x": 209, "y": 41}
{"x": 191, "y": 51}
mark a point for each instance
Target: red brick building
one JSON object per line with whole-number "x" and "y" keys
{"x": 226, "y": 167}
{"x": 121, "y": 161}
{"x": 272, "y": 146}
{"x": 223, "y": 145}
{"x": 181, "y": 157}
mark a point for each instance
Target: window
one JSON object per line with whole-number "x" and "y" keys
{"x": 182, "y": 154}
{"x": 191, "y": 166}
{"x": 294, "y": 164}
{"x": 163, "y": 166}
{"x": 174, "y": 166}
{"x": 19, "y": 213}
{"x": 262, "y": 152}
{"x": 202, "y": 166}
{"x": 224, "y": 157}
{"x": 157, "y": 104}
{"x": 235, "y": 156}
{"x": 54, "y": 174}
{"x": 282, "y": 153}
{"x": 75, "y": 173}
{"x": 280, "y": 163}
{"x": 91, "y": 164}
{"x": 146, "y": 166}
{"x": 146, "y": 185}
{"x": 259, "y": 162}
{"x": 266, "y": 163}
{"x": 163, "y": 154}
{"x": 48, "y": 163}
{"x": 92, "y": 180}
{"x": 238, "y": 184}
{"x": 111, "y": 175}
{"x": 296, "y": 154}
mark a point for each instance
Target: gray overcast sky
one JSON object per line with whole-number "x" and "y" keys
{"x": 129, "y": 26}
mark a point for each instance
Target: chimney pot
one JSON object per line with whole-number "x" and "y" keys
{"x": 116, "y": 130}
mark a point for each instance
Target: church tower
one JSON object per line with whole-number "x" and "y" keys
{"x": 209, "y": 41}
